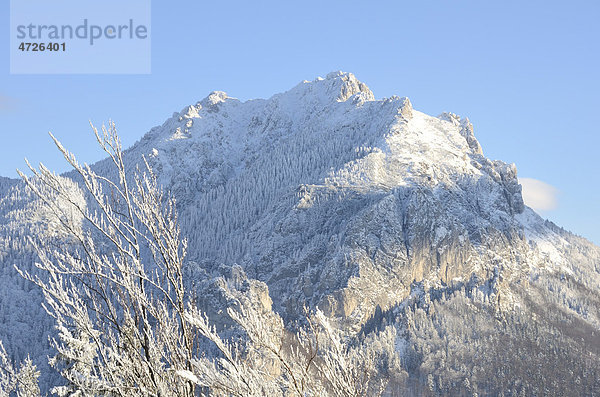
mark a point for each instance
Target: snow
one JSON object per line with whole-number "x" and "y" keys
{"x": 266, "y": 182}
{"x": 549, "y": 245}
{"x": 330, "y": 196}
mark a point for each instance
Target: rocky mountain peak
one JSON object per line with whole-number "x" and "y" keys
{"x": 466, "y": 130}
{"x": 380, "y": 215}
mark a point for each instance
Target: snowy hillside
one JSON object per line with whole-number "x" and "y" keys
{"x": 391, "y": 221}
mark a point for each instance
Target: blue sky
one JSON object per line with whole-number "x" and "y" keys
{"x": 525, "y": 73}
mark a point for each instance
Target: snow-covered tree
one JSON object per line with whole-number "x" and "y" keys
{"x": 23, "y": 382}
{"x": 121, "y": 322}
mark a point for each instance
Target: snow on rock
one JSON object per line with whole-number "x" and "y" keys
{"x": 326, "y": 196}
{"x": 466, "y": 130}
{"x": 324, "y": 191}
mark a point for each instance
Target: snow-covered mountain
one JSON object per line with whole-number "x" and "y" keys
{"x": 391, "y": 221}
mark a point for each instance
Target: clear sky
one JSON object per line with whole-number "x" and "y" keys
{"x": 525, "y": 72}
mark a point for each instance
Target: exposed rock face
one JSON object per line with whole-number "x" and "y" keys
{"x": 228, "y": 287}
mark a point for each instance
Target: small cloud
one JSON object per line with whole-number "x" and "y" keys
{"x": 539, "y": 195}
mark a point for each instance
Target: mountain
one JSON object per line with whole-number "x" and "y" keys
{"x": 390, "y": 221}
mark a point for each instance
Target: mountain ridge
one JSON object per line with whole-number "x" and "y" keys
{"x": 395, "y": 147}
{"x": 388, "y": 220}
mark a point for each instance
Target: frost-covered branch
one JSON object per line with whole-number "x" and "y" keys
{"x": 121, "y": 321}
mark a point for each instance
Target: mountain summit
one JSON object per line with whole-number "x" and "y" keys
{"x": 323, "y": 192}
{"x": 390, "y": 221}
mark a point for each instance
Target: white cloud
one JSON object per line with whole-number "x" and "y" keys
{"x": 539, "y": 195}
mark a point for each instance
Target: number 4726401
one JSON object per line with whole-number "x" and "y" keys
{"x": 42, "y": 47}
